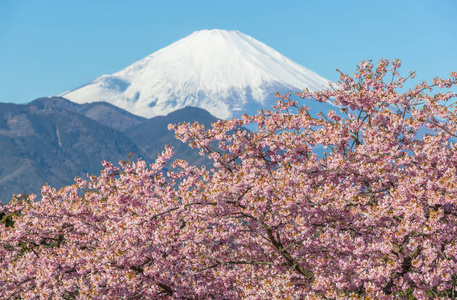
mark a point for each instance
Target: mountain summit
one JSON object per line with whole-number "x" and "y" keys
{"x": 228, "y": 73}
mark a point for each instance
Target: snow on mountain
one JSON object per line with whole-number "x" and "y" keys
{"x": 227, "y": 73}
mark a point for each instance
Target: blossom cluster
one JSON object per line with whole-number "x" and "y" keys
{"x": 374, "y": 217}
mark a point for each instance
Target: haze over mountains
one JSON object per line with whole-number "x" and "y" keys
{"x": 208, "y": 75}
{"x": 224, "y": 72}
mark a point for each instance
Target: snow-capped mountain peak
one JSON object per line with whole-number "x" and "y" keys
{"x": 225, "y": 72}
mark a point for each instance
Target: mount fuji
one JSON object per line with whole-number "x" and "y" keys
{"x": 227, "y": 73}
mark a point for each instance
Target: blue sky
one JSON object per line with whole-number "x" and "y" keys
{"x": 50, "y": 46}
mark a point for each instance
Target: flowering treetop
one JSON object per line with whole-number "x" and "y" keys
{"x": 374, "y": 217}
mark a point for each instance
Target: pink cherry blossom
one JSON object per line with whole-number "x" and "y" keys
{"x": 375, "y": 217}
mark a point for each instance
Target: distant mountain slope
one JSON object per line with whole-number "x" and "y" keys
{"x": 41, "y": 144}
{"x": 224, "y": 72}
{"x": 52, "y": 140}
{"x": 152, "y": 135}
{"x": 102, "y": 112}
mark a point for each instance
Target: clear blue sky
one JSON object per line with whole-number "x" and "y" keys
{"x": 50, "y": 46}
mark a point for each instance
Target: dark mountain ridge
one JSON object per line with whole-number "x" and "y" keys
{"x": 52, "y": 140}
{"x": 151, "y": 135}
{"x": 102, "y": 112}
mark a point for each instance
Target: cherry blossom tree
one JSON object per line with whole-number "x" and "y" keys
{"x": 372, "y": 217}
